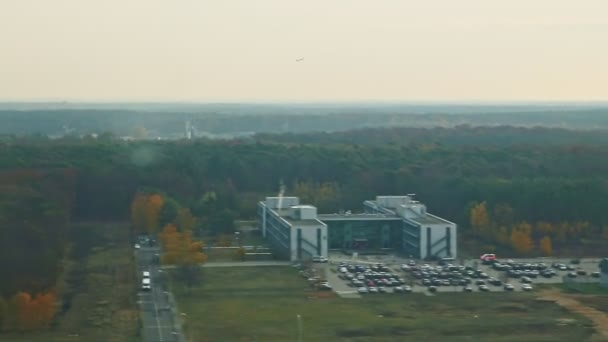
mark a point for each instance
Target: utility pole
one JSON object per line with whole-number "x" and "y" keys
{"x": 299, "y": 327}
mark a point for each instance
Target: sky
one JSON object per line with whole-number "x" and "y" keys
{"x": 352, "y": 50}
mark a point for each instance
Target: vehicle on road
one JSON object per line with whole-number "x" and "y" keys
{"x": 484, "y": 288}
{"x": 137, "y": 246}
{"x": 145, "y": 274}
{"x": 319, "y": 259}
{"x": 146, "y": 285}
{"x": 467, "y": 289}
{"x": 526, "y": 287}
{"x": 509, "y": 287}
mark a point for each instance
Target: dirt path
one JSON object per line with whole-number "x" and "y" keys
{"x": 599, "y": 318}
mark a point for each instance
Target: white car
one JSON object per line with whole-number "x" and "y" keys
{"x": 136, "y": 246}
{"x": 527, "y": 287}
{"x": 362, "y": 290}
{"x": 319, "y": 259}
{"x": 145, "y": 274}
{"x": 145, "y": 284}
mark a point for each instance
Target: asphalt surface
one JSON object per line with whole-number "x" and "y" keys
{"x": 240, "y": 264}
{"x": 157, "y": 308}
{"x": 344, "y": 289}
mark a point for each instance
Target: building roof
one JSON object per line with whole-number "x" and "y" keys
{"x": 428, "y": 219}
{"x": 284, "y": 214}
{"x": 356, "y": 217}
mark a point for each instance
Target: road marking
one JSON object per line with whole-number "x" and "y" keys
{"x": 160, "y": 332}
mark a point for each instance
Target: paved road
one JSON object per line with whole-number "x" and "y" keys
{"x": 240, "y": 264}
{"x": 158, "y": 315}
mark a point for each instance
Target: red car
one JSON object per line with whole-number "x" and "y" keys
{"x": 488, "y": 257}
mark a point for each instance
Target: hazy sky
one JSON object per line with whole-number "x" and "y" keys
{"x": 233, "y": 50}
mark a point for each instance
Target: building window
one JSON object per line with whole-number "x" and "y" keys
{"x": 299, "y": 251}
{"x": 428, "y": 242}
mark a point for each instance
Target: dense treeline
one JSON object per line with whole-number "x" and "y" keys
{"x": 564, "y": 183}
{"x": 461, "y": 135}
{"x": 35, "y": 210}
{"x": 169, "y": 120}
{"x": 556, "y": 180}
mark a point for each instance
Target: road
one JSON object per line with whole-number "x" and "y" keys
{"x": 158, "y": 313}
{"x": 240, "y": 264}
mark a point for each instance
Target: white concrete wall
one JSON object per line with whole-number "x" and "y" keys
{"x": 392, "y": 201}
{"x": 309, "y": 233}
{"x": 286, "y": 202}
{"x": 437, "y": 233}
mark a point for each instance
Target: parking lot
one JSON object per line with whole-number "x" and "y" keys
{"x": 391, "y": 275}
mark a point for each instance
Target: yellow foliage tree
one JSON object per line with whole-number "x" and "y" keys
{"x": 546, "y": 247}
{"x": 480, "y": 220}
{"x": 179, "y": 248}
{"x": 185, "y": 220}
{"x": 33, "y": 312}
{"x": 154, "y": 204}
{"x": 521, "y": 241}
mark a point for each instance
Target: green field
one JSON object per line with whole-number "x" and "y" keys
{"x": 97, "y": 291}
{"x": 261, "y": 304}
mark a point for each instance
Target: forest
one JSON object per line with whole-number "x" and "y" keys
{"x": 168, "y": 120}
{"x": 532, "y": 197}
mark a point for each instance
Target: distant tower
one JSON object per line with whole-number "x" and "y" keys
{"x": 188, "y": 130}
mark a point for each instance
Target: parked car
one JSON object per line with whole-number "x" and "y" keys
{"x": 137, "y": 246}
{"x": 325, "y": 286}
{"x": 362, "y": 290}
{"x": 319, "y": 259}
{"x": 432, "y": 289}
{"x": 526, "y": 280}
{"x": 526, "y": 287}
{"x": 484, "y": 288}
{"x": 581, "y": 272}
{"x": 595, "y": 274}
{"x": 572, "y": 274}
{"x": 467, "y": 289}
{"x": 509, "y": 287}
{"x": 373, "y": 289}
{"x": 407, "y": 289}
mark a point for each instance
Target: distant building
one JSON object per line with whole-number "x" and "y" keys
{"x": 396, "y": 223}
{"x": 293, "y": 229}
{"x": 604, "y": 272}
{"x": 424, "y": 235}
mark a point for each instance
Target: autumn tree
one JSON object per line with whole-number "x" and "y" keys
{"x": 154, "y": 204}
{"x": 29, "y": 313}
{"x": 521, "y": 239}
{"x": 185, "y": 220}
{"x": 546, "y": 247}
{"x": 179, "y": 248}
{"x": 480, "y": 222}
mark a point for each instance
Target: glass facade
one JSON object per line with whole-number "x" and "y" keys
{"x": 365, "y": 234}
